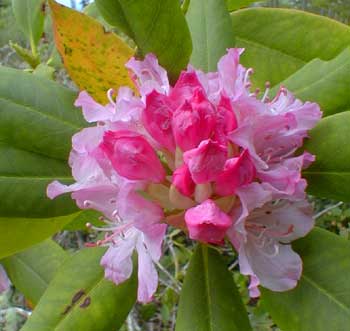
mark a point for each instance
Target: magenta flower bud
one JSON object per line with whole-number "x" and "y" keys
{"x": 237, "y": 172}
{"x": 183, "y": 181}
{"x": 156, "y": 118}
{"x": 132, "y": 156}
{"x": 207, "y": 223}
{"x": 206, "y": 161}
{"x": 194, "y": 121}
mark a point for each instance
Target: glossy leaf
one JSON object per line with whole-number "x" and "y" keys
{"x": 279, "y": 42}
{"x": 237, "y": 4}
{"x": 94, "y": 58}
{"x": 156, "y": 26}
{"x": 321, "y": 301}
{"x": 79, "y": 298}
{"x": 324, "y": 82}
{"x": 329, "y": 176}
{"x": 209, "y": 299}
{"x": 30, "y": 16}
{"x": 37, "y": 121}
{"x": 32, "y": 270}
{"x": 211, "y": 30}
{"x": 16, "y": 234}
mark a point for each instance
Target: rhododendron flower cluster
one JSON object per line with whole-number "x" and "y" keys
{"x": 206, "y": 155}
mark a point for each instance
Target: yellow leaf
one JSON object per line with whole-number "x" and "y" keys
{"x": 95, "y": 59}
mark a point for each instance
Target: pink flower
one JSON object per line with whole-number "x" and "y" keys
{"x": 238, "y": 171}
{"x": 157, "y": 117}
{"x": 207, "y": 223}
{"x": 205, "y": 155}
{"x": 4, "y": 281}
{"x": 194, "y": 121}
{"x": 183, "y": 181}
{"x": 132, "y": 156}
{"x": 206, "y": 162}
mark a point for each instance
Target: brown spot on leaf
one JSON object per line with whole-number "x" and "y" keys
{"x": 77, "y": 296}
{"x": 66, "y": 310}
{"x": 86, "y": 302}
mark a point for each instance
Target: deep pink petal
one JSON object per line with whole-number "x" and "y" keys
{"x": 193, "y": 122}
{"x": 206, "y": 161}
{"x": 157, "y": 117}
{"x": 207, "y": 223}
{"x": 132, "y": 156}
{"x": 237, "y": 172}
{"x": 183, "y": 181}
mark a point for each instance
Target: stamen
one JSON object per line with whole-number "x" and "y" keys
{"x": 267, "y": 90}
{"x": 110, "y": 95}
{"x": 248, "y": 73}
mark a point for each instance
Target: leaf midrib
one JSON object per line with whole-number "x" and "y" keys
{"x": 325, "y": 293}
{"x": 36, "y": 177}
{"x": 320, "y": 172}
{"x": 31, "y": 109}
{"x": 95, "y": 285}
{"x": 256, "y": 43}
{"x": 207, "y": 285}
{"x": 31, "y": 270}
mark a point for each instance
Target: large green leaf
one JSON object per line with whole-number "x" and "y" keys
{"x": 16, "y": 234}
{"x": 79, "y": 298}
{"x": 278, "y": 42}
{"x": 157, "y": 26}
{"x": 30, "y": 16}
{"x": 209, "y": 299}
{"x": 321, "y": 301}
{"x": 32, "y": 270}
{"x": 237, "y": 4}
{"x": 211, "y": 30}
{"x": 37, "y": 121}
{"x": 325, "y": 82}
{"x": 329, "y": 176}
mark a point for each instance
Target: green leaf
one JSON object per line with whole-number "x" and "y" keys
{"x": 237, "y": 4}
{"x": 324, "y": 82}
{"x": 321, "y": 301}
{"x": 211, "y": 30}
{"x": 209, "y": 299}
{"x": 157, "y": 26}
{"x": 279, "y": 42}
{"x": 32, "y": 270}
{"x": 79, "y": 298}
{"x": 30, "y": 16}
{"x": 329, "y": 175}
{"x": 37, "y": 121}
{"x": 16, "y": 234}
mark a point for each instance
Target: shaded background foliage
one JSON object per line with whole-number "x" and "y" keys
{"x": 160, "y": 314}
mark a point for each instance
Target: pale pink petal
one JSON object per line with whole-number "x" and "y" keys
{"x": 117, "y": 261}
{"x": 133, "y": 207}
{"x": 147, "y": 274}
{"x": 4, "y": 280}
{"x": 231, "y": 73}
{"x": 284, "y": 221}
{"x": 277, "y": 267}
{"x": 93, "y": 111}
{"x": 149, "y": 75}
{"x": 153, "y": 239}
